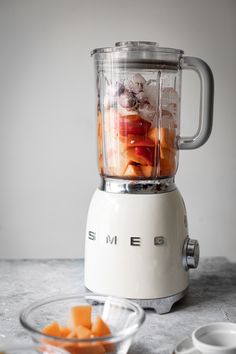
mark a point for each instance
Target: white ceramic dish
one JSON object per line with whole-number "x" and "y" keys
{"x": 185, "y": 346}
{"x": 214, "y": 338}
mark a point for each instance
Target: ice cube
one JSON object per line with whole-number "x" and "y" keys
{"x": 147, "y": 112}
{"x": 128, "y": 100}
{"x": 169, "y": 96}
{"x": 106, "y": 102}
{"x": 126, "y": 112}
{"x": 135, "y": 87}
{"x": 167, "y": 122}
{"x": 169, "y": 99}
{"x": 141, "y": 97}
{"x": 166, "y": 114}
{"x": 138, "y": 79}
{"x": 115, "y": 89}
{"x": 151, "y": 91}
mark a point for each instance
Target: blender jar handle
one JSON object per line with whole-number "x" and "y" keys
{"x": 206, "y": 103}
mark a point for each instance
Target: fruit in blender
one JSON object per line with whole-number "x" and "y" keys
{"x": 142, "y": 155}
{"x": 133, "y": 124}
{"x": 139, "y": 139}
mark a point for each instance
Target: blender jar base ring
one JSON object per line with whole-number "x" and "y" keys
{"x": 116, "y": 185}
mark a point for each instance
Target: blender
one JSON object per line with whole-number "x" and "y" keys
{"x": 137, "y": 240}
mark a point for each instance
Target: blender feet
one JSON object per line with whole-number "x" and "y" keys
{"x": 162, "y": 305}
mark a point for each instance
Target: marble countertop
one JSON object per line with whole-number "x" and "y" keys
{"x": 211, "y": 298}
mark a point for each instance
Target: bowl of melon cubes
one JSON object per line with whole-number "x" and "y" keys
{"x": 86, "y": 324}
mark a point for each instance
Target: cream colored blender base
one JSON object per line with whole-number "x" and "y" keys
{"x": 134, "y": 247}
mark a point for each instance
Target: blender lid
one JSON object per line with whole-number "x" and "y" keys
{"x": 137, "y": 46}
{"x": 137, "y": 53}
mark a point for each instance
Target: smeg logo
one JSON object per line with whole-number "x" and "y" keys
{"x": 133, "y": 240}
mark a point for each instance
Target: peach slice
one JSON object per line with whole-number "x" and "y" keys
{"x": 133, "y": 124}
{"x": 153, "y": 134}
{"x": 141, "y": 154}
{"x": 147, "y": 171}
{"x": 137, "y": 140}
{"x": 167, "y": 138}
{"x": 167, "y": 167}
{"x": 133, "y": 171}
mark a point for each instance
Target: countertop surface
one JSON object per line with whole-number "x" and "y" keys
{"x": 211, "y": 297}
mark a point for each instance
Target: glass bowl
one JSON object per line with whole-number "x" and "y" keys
{"x": 123, "y": 317}
{"x": 32, "y": 349}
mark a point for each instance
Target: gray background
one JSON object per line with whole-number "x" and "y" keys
{"x": 47, "y": 117}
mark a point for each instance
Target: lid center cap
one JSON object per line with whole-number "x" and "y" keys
{"x": 136, "y": 44}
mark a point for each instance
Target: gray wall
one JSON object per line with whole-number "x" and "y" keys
{"x": 47, "y": 117}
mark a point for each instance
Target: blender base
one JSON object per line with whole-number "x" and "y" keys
{"x": 162, "y": 305}
{"x": 135, "y": 246}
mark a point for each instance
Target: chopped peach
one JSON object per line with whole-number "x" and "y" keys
{"x": 167, "y": 153}
{"x": 100, "y": 164}
{"x": 147, "y": 171}
{"x": 141, "y": 154}
{"x": 167, "y": 138}
{"x": 132, "y": 140}
{"x": 167, "y": 167}
{"x": 153, "y": 134}
{"x": 133, "y": 124}
{"x": 133, "y": 171}
{"x": 99, "y": 125}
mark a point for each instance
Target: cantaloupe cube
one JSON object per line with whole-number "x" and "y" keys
{"x": 84, "y": 348}
{"x": 91, "y": 349}
{"x": 72, "y": 334}
{"x": 83, "y": 332}
{"x": 100, "y": 328}
{"x": 71, "y": 348}
{"x": 53, "y": 329}
{"x": 65, "y": 331}
{"x": 80, "y": 316}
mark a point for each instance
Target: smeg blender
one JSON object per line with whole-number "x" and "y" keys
{"x": 137, "y": 241}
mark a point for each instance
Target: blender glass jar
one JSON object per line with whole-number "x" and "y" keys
{"x": 138, "y": 110}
